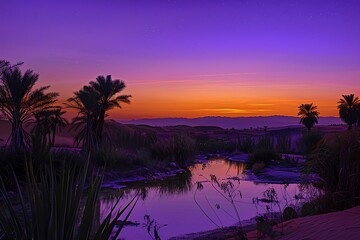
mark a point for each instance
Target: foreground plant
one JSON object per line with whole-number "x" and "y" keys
{"x": 52, "y": 205}
{"x": 336, "y": 160}
{"x": 229, "y": 190}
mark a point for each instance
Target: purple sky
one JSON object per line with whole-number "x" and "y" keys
{"x": 217, "y": 56}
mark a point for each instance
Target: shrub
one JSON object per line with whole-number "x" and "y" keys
{"x": 143, "y": 157}
{"x": 289, "y": 213}
{"x": 263, "y": 155}
{"x": 258, "y": 167}
{"x": 184, "y": 149}
{"x": 179, "y": 148}
{"x": 113, "y": 158}
{"x": 162, "y": 149}
{"x": 308, "y": 141}
{"x": 336, "y": 160}
{"x": 308, "y": 209}
{"x": 263, "y": 226}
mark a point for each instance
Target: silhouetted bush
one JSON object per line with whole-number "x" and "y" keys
{"x": 336, "y": 159}
{"x": 289, "y": 213}
{"x": 308, "y": 209}
{"x": 115, "y": 159}
{"x": 179, "y": 148}
{"x": 143, "y": 157}
{"x": 264, "y": 151}
{"x": 257, "y": 167}
{"x": 184, "y": 149}
{"x": 308, "y": 141}
{"x": 263, "y": 155}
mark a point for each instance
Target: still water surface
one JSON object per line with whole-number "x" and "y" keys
{"x": 173, "y": 201}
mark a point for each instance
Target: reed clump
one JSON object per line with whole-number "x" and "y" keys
{"x": 336, "y": 160}
{"x": 58, "y": 203}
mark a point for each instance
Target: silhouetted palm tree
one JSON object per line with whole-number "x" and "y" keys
{"x": 47, "y": 122}
{"x": 108, "y": 89}
{"x": 86, "y": 102}
{"x": 19, "y": 102}
{"x": 92, "y": 103}
{"x": 5, "y": 65}
{"x": 308, "y": 114}
{"x": 41, "y": 126}
{"x": 349, "y": 109}
{"x": 57, "y": 122}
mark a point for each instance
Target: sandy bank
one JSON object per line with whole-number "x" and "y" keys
{"x": 330, "y": 226}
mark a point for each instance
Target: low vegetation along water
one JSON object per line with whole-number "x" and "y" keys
{"x": 179, "y": 205}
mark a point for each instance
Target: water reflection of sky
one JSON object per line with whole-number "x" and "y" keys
{"x": 171, "y": 201}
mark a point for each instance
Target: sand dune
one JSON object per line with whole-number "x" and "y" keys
{"x": 330, "y": 226}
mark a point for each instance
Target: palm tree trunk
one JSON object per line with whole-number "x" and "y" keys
{"x": 17, "y": 135}
{"x": 52, "y": 142}
{"x": 90, "y": 140}
{"x": 100, "y": 127}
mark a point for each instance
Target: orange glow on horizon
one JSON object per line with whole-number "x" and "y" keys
{"x": 197, "y": 99}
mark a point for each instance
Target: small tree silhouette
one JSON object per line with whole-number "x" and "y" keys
{"x": 349, "y": 108}
{"x": 308, "y": 115}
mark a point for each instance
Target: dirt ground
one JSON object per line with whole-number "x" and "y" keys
{"x": 330, "y": 226}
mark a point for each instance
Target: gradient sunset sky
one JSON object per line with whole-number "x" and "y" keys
{"x": 192, "y": 58}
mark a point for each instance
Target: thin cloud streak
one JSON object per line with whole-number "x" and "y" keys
{"x": 226, "y": 110}
{"x": 222, "y": 74}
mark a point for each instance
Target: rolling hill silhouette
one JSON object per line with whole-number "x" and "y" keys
{"x": 232, "y": 122}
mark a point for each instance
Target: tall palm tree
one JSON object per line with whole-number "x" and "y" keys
{"x": 47, "y": 122}
{"x": 358, "y": 115}
{"x": 3, "y": 66}
{"x": 349, "y": 109}
{"x": 41, "y": 126}
{"x": 108, "y": 89}
{"x": 308, "y": 115}
{"x": 92, "y": 103}
{"x": 86, "y": 102}
{"x": 57, "y": 122}
{"x": 19, "y": 102}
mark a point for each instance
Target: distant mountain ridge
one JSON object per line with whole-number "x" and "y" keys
{"x": 232, "y": 122}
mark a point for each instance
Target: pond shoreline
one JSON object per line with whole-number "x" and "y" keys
{"x": 119, "y": 179}
{"x": 156, "y": 188}
{"x": 275, "y": 173}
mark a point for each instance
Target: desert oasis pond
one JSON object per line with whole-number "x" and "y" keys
{"x": 191, "y": 202}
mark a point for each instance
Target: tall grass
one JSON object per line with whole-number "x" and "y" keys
{"x": 264, "y": 151}
{"x": 308, "y": 141}
{"x": 215, "y": 145}
{"x": 178, "y": 148}
{"x": 265, "y": 142}
{"x": 50, "y": 206}
{"x": 336, "y": 160}
{"x": 283, "y": 144}
{"x": 245, "y": 144}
